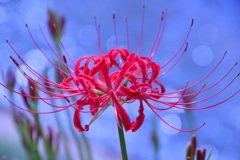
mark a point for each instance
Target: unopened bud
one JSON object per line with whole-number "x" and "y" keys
{"x": 194, "y": 145}
{"x": 199, "y": 154}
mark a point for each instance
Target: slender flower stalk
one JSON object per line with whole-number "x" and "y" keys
{"x": 122, "y": 141}
{"x": 117, "y": 77}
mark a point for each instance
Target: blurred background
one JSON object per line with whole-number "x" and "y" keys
{"x": 215, "y": 30}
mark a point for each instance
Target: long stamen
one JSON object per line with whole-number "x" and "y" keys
{"x": 64, "y": 58}
{"x": 211, "y": 105}
{"x": 171, "y": 105}
{"x": 52, "y": 98}
{"x": 206, "y": 88}
{"x": 204, "y": 77}
{"x": 175, "y": 62}
{"x": 213, "y": 94}
{"x": 173, "y": 126}
{"x": 140, "y": 40}
{"x": 193, "y": 102}
{"x": 29, "y": 68}
{"x": 55, "y": 53}
{"x": 195, "y": 95}
{"x": 39, "y": 112}
{"x": 127, "y": 34}
{"x": 115, "y": 29}
{"x": 44, "y": 100}
{"x": 98, "y": 34}
{"x": 160, "y": 26}
{"x": 164, "y": 22}
{"x": 115, "y": 32}
{"x": 59, "y": 39}
{"x": 33, "y": 72}
{"x": 32, "y": 81}
{"x": 41, "y": 50}
{"x": 185, "y": 41}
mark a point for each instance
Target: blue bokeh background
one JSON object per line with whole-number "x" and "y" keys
{"x": 216, "y": 29}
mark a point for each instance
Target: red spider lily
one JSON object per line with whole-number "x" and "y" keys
{"x": 116, "y": 78}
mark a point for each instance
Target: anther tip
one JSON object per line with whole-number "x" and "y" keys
{"x": 144, "y": 6}
{"x": 238, "y": 74}
{"x": 6, "y": 40}
{"x": 203, "y": 123}
{"x": 66, "y": 99}
{"x": 5, "y": 96}
{"x": 114, "y": 14}
{"x": 186, "y": 46}
{"x": 204, "y": 85}
{"x": 126, "y": 17}
{"x": 26, "y": 24}
{"x": 64, "y": 58}
{"x": 94, "y": 16}
{"x": 54, "y": 25}
{"x": 187, "y": 82}
{"x": 162, "y": 15}
{"x": 236, "y": 63}
{"x": 192, "y": 22}
{"x": 225, "y": 53}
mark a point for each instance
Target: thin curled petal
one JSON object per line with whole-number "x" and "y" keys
{"x": 139, "y": 121}
{"x": 77, "y": 121}
{"x": 122, "y": 113}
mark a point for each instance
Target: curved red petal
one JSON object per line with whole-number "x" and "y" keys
{"x": 139, "y": 121}
{"x": 97, "y": 67}
{"x": 122, "y": 113}
{"x": 129, "y": 93}
{"x": 77, "y": 121}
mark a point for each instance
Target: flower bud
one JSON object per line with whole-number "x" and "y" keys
{"x": 10, "y": 78}
{"x": 194, "y": 145}
{"x": 55, "y": 24}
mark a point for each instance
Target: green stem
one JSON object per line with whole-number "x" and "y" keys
{"x": 87, "y": 146}
{"x": 65, "y": 141}
{"x": 50, "y": 155}
{"x": 75, "y": 136}
{"x": 122, "y": 140}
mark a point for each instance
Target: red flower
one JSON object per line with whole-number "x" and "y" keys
{"x": 116, "y": 78}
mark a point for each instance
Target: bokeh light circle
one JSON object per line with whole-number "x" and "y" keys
{"x": 172, "y": 120}
{"x": 12, "y": 22}
{"x": 202, "y": 55}
{"x": 35, "y": 58}
{"x": 2, "y": 14}
{"x": 35, "y": 17}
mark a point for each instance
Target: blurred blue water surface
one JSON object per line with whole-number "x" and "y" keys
{"x": 216, "y": 29}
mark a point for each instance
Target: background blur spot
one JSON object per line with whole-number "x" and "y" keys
{"x": 111, "y": 42}
{"x": 12, "y": 22}
{"x": 202, "y": 55}
{"x": 32, "y": 58}
{"x": 2, "y": 14}
{"x": 35, "y": 17}
{"x": 3, "y": 1}
{"x": 172, "y": 120}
